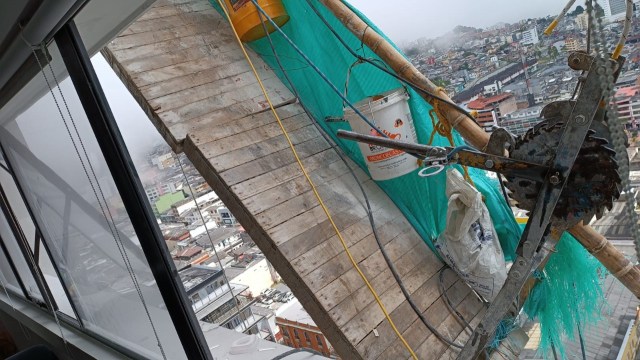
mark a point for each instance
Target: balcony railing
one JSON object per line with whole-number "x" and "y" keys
{"x": 211, "y": 297}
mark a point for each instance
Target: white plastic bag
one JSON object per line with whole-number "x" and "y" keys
{"x": 469, "y": 244}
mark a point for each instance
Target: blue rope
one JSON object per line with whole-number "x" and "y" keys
{"x": 503, "y": 330}
{"x": 457, "y": 150}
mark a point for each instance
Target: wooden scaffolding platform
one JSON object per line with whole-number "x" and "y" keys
{"x": 183, "y": 66}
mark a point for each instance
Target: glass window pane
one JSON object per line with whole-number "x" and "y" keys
{"x": 20, "y": 262}
{"x": 69, "y": 187}
{"x": 23, "y": 217}
{"x": 7, "y": 278}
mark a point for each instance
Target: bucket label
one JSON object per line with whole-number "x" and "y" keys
{"x": 390, "y": 115}
{"x": 237, "y": 4}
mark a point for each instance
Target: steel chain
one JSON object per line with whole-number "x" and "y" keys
{"x": 616, "y": 126}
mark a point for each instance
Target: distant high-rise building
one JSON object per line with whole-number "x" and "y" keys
{"x": 582, "y": 21}
{"x": 530, "y": 37}
{"x": 614, "y": 9}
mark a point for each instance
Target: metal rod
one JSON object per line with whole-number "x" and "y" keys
{"x": 463, "y": 156}
{"x": 130, "y": 188}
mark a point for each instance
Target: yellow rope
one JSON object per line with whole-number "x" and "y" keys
{"x": 315, "y": 191}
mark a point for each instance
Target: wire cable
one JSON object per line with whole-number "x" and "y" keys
{"x": 96, "y": 188}
{"x": 385, "y": 255}
{"x": 313, "y": 188}
{"x": 387, "y": 71}
{"x": 204, "y": 223}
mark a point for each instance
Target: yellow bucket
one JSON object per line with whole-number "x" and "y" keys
{"x": 246, "y": 18}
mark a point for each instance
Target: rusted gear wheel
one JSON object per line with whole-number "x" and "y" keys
{"x": 594, "y": 182}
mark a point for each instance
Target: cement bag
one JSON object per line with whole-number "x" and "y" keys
{"x": 469, "y": 244}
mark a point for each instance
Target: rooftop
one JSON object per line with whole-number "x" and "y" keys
{"x": 189, "y": 252}
{"x": 627, "y": 92}
{"x": 196, "y": 275}
{"x": 293, "y": 311}
{"x": 482, "y": 102}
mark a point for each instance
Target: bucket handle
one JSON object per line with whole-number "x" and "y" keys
{"x": 348, "y": 78}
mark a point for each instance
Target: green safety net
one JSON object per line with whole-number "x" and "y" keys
{"x": 422, "y": 200}
{"x": 567, "y": 298}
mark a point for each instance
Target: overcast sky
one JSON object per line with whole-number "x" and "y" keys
{"x": 407, "y": 20}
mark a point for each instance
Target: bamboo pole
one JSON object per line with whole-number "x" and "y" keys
{"x": 467, "y": 128}
{"x": 596, "y": 244}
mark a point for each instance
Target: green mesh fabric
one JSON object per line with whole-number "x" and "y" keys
{"x": 422, "y": 201}
{"x": 568, "y": 295}
{"x": 571, "y": 272}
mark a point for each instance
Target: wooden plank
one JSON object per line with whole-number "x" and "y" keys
{"x": 170, "y": 21}
{"x": 170, "y": 58}
{"x": 434, "y": 348}
{"x": 146, "y": 38}
{"x": 184, "y": 68}
{"x": 276, "y": 90}
{"x": 462, "y": 338}
{"x": 261, "y": 141}
{"x": 437, "y": 314}
{"x": 230, "y": 128}
{"x": 210, "y": 74}
{"x": 205, "y": 91}
{"x": 274, "y": 161}
{"x": 347, "y": 282}
{"x": 332, "y": 192}
{"x": 413, "y": 269}
{"x": 239, "y": 113}
{"x": 292, "y": 188}
{"x": 271, "y": 179}
{"x": 312, "y": 227}
{"x": 210, "y": 39}
{"x": 233, "y": 112}
{"x": 328, "y": 249}
{"x": 362, "y": 250}
{"x": 405, "y": 319}
{"x": 350, "y": 313}
{"x": 265, "y": 148}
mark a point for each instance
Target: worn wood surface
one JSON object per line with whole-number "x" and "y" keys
{"x": 183, "y": 67}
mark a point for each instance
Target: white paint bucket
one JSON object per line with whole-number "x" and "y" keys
{"x": 390, "y": 113}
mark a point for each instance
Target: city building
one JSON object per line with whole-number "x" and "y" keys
{"x": 164, "y": 202}
{"x": 203, "y": 201}
{"x": 300, "y": 331}
{"x": 627, "y": 100}
{"x": 530, "y": 37}
{"x": 216, "y": 301}
{"x": 614, "y": 10}
{"x": 492, "y": 109}
{"x": 164, "y": 161}
{"x": 519, "y": 121}
{"x": 224, "y": 217}
{"x": 573, "y": 44}
{"x": 158, "y": 189}
{"x": 582, "y": 21}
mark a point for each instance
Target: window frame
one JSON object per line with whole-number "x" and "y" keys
{"x": 104, "y": 127}
{"x": 87, "y": 85}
